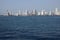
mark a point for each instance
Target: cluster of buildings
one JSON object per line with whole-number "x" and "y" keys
{"x": 34, "y": 13}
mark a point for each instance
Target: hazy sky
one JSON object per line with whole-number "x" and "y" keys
{"x": 29, "y": 4}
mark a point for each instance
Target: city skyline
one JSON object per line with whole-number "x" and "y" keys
{"x": 15, "y": 5}
{"x": 33, "y": 12}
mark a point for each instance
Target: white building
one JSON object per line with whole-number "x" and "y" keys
{"x": 34, "y": 12}
{"x": 5, "y": 14}
{"x": 42, "y": 12}
{"x": 19, "y": 13}
{"x": 57, "y": 11}
{"x": 15, "y": 14}
{"x": 50, "y": 13}
{"x": 26, "y": 13}
{"x": 39, "y": 13}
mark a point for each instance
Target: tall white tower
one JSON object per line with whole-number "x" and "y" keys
{"x": 26, "y": 13}
{"x": 34, "y": 12}
{"x": 42, "y": 12}
{"x": 19, "y": 13}
{"x": 50, "y": 13}
{"x": 39, "y": 13}
{"x": 56, "y": 11}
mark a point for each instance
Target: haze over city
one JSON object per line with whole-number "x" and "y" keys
{"x": 15, "y": 5}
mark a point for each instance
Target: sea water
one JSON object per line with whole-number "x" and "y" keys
{"x": 29, "y": 27}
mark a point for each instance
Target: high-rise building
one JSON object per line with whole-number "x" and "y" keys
{"x": 26, "y": 13}
{"x": 42, "y": 12}
{"x": 34, "y": 12}
{"x": 46, "y": 13}
{"x": 19, "y": 13}
{"x": 39, "y": 13}
{"x": 50, "y": 13}
{"x": 9, "y": 13}
{"x": 56, "y": 11}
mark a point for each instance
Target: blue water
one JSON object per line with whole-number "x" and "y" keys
{"x": 30, "y": 28}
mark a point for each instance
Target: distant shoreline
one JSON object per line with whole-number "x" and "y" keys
{"x": 32, "y": 15}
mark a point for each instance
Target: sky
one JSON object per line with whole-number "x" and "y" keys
{"x": 15, "y": 5}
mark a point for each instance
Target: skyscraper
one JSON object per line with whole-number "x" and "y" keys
{"x": 39, "y": 13}
{"x": 26, "y": 13}
{"x": 42, "y": 12}
{"x": 34, "y": 12}
{"x": 56, "y": 11}
{"x": 19, "y": 13}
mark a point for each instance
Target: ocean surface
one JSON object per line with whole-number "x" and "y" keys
{"x": 29, "y": 27}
